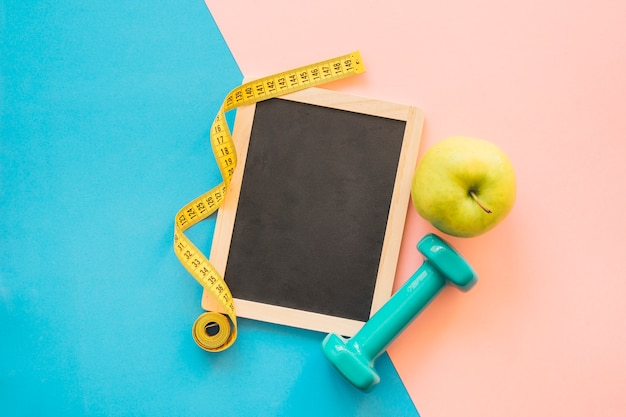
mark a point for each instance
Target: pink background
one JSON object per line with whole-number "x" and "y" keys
{"x": 544, "y": 331}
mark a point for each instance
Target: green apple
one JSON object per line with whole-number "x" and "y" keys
{"x": 464, "y": 186}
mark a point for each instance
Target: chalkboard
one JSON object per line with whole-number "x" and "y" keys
{"x": 310, "y": 230}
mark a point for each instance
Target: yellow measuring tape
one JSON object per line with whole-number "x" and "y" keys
{"x": 215, "y": 331}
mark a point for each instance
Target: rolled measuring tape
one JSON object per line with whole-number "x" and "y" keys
{"x": 215, "y": 331}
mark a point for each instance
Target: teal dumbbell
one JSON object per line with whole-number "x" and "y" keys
{"x": 354, "y": 358}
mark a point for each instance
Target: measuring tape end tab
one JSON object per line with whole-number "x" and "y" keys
{"x": 359, "y": 67}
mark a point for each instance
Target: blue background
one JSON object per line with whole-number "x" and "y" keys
{"x": 105, "y": 109}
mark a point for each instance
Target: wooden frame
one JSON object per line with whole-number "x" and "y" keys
{"x": 395, "y": 223}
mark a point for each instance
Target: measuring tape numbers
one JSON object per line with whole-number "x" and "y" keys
{"x": 215, "y": 331}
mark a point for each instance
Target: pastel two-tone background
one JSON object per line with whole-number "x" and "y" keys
{"x": 105, "y": 109}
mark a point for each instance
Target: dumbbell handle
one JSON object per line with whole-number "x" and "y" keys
{"x": 397, "y": 313}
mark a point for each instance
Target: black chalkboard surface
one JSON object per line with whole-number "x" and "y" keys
{"x": 310, "y": 229}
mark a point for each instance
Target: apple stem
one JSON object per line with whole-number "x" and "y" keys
{"x": 480, "y": 203}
